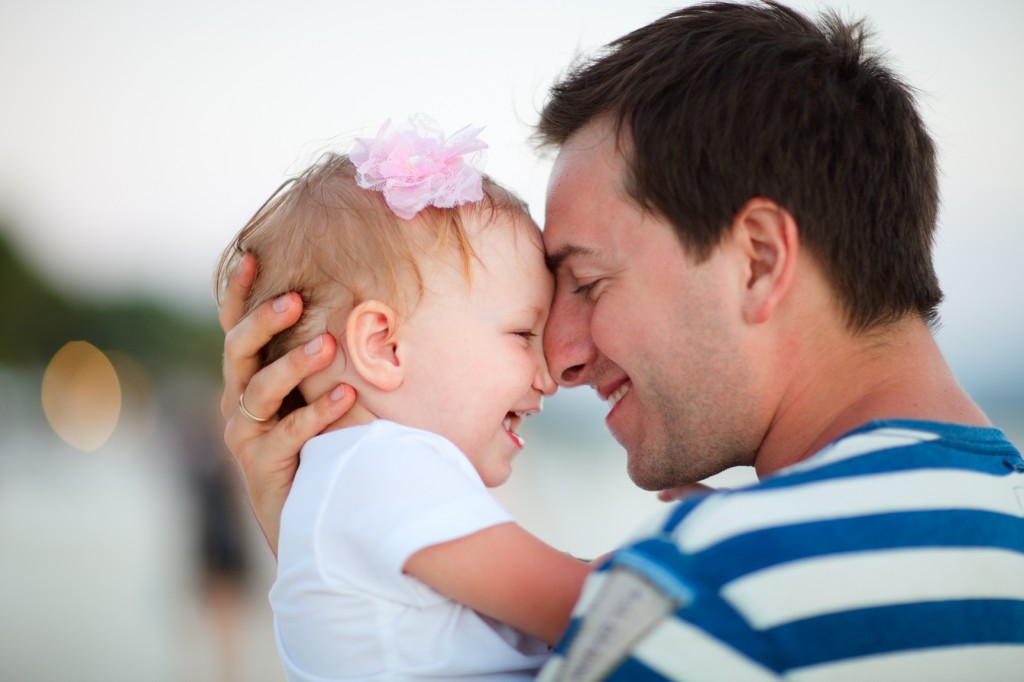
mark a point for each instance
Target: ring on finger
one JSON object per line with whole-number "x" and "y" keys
{"x": 247, "y": 414}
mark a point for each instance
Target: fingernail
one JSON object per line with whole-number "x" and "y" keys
{"x": 314, "y": 346}
{"x": 281, "y": 303}
{"x": 337, "y": 393}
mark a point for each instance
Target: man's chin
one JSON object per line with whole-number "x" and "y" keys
{"x": 659, "y": 471}
{"x": 642, "y": 476}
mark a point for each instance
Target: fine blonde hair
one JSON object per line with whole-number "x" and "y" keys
{"x": 336, "y": 245}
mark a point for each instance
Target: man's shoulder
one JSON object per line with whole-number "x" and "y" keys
{"x": 880, "y": 468}
{"x": 821, "y": 563}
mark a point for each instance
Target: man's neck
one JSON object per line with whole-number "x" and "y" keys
{"x": 844, "y": 383}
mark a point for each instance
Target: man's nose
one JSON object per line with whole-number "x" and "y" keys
{"x": 568, "y": 345}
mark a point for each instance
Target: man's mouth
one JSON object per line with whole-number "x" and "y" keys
{"x": 615, "y": 396}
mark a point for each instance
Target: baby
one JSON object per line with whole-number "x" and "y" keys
{"x": 393, "y": 560}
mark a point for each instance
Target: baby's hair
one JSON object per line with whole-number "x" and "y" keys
{"x": 337, "y": 245}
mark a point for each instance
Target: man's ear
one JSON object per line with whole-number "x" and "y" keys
{"x": 769, "y": 241}
{"x": 371, "y": 341}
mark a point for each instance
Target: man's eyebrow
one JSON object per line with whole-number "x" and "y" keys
{"x": 556, "y": 259}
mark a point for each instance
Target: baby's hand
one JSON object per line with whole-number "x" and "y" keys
{"x": 673, "y": 494}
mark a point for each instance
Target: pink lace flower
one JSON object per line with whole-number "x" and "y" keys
{"x": 416, "y": 166}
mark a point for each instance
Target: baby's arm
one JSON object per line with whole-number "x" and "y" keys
{"x": 508, "y": 574}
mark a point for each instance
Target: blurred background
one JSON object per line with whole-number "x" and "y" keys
{"x": 137, "y": 137}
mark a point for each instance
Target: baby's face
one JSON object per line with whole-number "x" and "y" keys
{"x": 477, "y": 362}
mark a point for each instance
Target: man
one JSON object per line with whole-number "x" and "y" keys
{"x": 740, "y": 221}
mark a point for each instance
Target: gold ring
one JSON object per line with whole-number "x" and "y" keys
{"x": 247, "y": 414}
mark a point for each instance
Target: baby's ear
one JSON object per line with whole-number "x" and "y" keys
{"x": 372, "y": 344}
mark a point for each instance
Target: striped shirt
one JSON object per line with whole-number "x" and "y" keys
{"x": 895, "y": 553}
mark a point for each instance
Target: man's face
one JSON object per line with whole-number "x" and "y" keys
{"x": 656, "y": 335}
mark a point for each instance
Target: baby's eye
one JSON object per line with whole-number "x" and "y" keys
{"x": 525, "y": 333}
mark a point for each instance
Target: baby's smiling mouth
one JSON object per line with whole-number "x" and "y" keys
{"x": 511, "y": 423}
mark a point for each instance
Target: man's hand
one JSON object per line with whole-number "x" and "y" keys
{"x": 267, "y": 452}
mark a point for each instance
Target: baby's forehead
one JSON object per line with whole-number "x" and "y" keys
{"x": 478, "y": 247}
{"x": 512, "y": 224}
{"x": 511, "y": 236}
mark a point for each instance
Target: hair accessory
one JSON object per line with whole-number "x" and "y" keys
{"x": 415, "y": 166}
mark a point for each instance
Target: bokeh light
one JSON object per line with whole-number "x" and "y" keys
{"x": 81, "y": 396}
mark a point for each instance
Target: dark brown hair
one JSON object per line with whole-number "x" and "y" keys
{"x": 724, "y": 102}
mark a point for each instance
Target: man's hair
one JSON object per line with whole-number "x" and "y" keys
{"x": 337, "y": 245}
{"x": 719, "y": 103}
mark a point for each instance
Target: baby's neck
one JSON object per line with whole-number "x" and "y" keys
{"x": 359, "y": 415}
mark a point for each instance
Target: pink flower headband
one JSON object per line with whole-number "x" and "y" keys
{"x": 416, "y": 166}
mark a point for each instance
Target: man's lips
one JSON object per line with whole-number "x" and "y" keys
{"x": 614, "y": 393}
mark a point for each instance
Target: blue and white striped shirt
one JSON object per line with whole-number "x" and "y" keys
{"x": 896, "y": 552}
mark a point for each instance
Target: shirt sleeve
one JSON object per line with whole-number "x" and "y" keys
{"x": 651, "y": 612}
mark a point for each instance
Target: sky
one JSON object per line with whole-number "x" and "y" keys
{"x": 137, "y": 137}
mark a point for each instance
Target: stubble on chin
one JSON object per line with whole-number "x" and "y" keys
{"x": 671, "y": 465}
{"x": 657, "y": 466}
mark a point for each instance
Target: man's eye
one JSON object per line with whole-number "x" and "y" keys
{"x": 585, "y": 289}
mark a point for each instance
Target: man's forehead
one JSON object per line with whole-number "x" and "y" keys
{"x": 557, "y": 255}
{"x": 595, "y": 146}
{"x": 584, "y": 186}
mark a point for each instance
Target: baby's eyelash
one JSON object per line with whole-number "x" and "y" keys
{"x": 525, "y": 333}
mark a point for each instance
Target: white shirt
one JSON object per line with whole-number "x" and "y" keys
{"x": 364, "y": 500}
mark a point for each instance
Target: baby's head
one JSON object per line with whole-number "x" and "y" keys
{"x": 438, "y": 317}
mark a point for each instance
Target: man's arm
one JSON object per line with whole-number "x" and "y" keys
{"x": 267, "y": 453}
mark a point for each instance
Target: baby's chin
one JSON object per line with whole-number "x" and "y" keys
{"x": 494, "y": 478}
